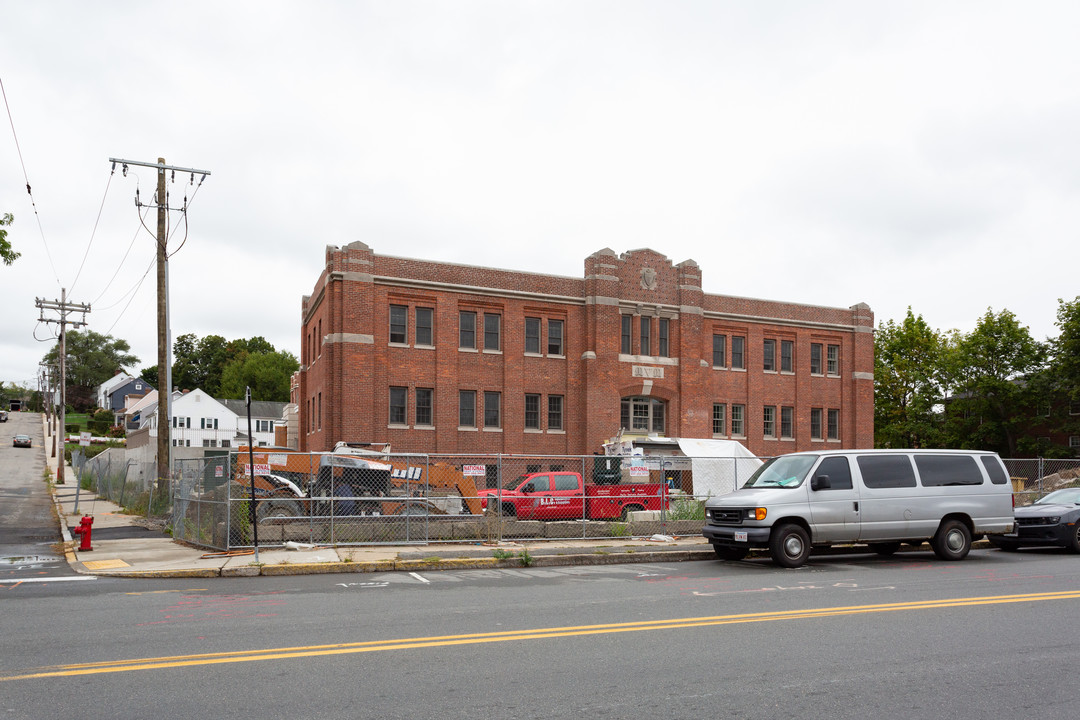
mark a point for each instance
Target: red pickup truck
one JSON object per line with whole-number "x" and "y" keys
{"x": 565, "y": 496}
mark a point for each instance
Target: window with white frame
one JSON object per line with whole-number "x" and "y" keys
{"x": 399, "y": 324}
{"x": 787, "y": 422}
{"x": 642, "y": 414}
{"x": 719, "y": 418}
{"x": 738, "y": 420}
{"x": 832, "y": 360}
{"x": 532, "y": 411}
{"x": 467, "y": 330}
{"x": 555, "y": 412}
{"x": 398, "y": 399}
{"x": 424, "y": 406}
{"x": 768, "y": 420}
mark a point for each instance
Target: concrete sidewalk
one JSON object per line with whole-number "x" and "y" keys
{"x": 128, "y": 546}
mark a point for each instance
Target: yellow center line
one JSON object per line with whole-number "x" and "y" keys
{"x": 519, "y": 635}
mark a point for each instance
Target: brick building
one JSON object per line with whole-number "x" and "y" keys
{"x": 441, "y": 358}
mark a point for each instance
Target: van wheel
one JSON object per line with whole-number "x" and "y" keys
{"x": 885, "y": 549}
{"x": 789, "y": 545}
{"x": 952, "y": 540}
{"x": 726, "y": 552}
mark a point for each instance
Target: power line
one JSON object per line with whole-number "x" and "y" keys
{"x": 27, "y": 178}
{"x": 94, "y": 231}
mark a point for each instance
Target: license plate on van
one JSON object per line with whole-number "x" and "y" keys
{"x": 740, "y": 536}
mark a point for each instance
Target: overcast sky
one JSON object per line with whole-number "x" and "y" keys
{"x": 829, "y": 153}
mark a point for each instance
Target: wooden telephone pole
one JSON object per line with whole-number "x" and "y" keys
{"x": 64, "y": 308}
{"x": 164, "y": 413}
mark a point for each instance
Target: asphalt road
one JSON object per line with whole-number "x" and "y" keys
{"x": 28, "y": 528}
{"x": 844, "y": 637}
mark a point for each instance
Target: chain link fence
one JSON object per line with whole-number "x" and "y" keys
{"x": 1034, "y": 477}
{"x": 122, "y": 480}
{"x": 369, "y": 499}
{"x": 377, "y": 499}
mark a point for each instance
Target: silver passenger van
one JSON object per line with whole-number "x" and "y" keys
{"x": 880, "y": 498}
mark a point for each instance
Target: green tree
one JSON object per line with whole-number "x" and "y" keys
{"x": 1065, "y": 349}
{"x": 6, "y": 253}
{"x": 991, "y": 369}
{"x": 268, "y": 374}
{"x": 92, "y": 358}
{"x": 908, "y": 377}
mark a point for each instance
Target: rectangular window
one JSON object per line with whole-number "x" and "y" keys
{"x": 399, "y": 324}
{"x": 815, "y": 424}
{"x": 787, "y": 422}
{"x": 208, "y": 423}
{"x": 1074, "y": 408}
{"x": 719, "y": 350}
{"x": 226, "y": 443}
{"x": 738, "y": 420}
{"x": 834, "y": 424}
{"x": 492, "y": 328}
{"x": 262, "y": 426}
{"x": 532, "y": 411}
{"x": 662, "y": 337}
{"x": 425, "y": 326}
{"x": 768, "y": 420}
{"x": 768, "y": 356}
{"x": 719, "y": 416}
{"x": 1074, "y": 441}
{"x": 491, "y": 409}
{"x": 832, "y": 365}
{"x": 886, "y": 471}
{"x": 424, "y": 406}
{"x": 940, "y": 470}
{"x": 646, "y": 328}
{"x": 555, "y": 421}
{"x": 398, "y": 398}
{"x": 815, "y": 358}
{"x": 532, "y": 335}
{"x": 467, "y": 330}
{"x": 209, "y": 443}
{"x": 319, "y": 415}
{"x": 467, "y": 408}
{"x": 555, "y": 337}
{"x": 625, "y": 338}
{"x": 738, "y": 354}
{"x": 787, "y": 356}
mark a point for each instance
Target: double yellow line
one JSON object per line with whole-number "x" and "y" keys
{"x": 519, "y": 635}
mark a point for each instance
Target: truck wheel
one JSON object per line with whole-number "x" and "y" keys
{"x": 952, "y": 540}
{"x": 789, "y": 545}
{"x": 726, "y": 552}
{"x": 278, "y": 509}
{"x": 509, "y": 510}
{"x": 885, "y": 549}
{"x": 629, "y": 509}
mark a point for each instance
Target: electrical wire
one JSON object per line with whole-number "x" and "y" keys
{"x": 184, "y": 212}
{"x": 120, "y": 266}
{"x": 134, "y": 292}
{"x": 94, "y": 231}
{"x": 28, "y": 190}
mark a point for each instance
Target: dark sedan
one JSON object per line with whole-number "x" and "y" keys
{"x": 1051, "y": 520}
{"x": 21, "y": 441}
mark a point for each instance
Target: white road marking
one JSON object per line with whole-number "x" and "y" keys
{"x": 16, "y": 581}
{"x": 420, "y": 577}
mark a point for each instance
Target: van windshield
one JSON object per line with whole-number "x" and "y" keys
{"x": 786, "y": 471}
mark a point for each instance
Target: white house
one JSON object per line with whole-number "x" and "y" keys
{"x": 199, "y": 420}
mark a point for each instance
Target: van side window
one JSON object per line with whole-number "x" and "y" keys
{"x": 838, "y": 470}
{"x": 886, "y": 471}
{"x": 938, "y": 470}
{"x": 994, "y": 470}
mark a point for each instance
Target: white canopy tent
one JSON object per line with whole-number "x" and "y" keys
{"x": 720, "y": 466}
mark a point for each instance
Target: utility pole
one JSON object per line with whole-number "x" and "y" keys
{"x": 161, "y": 201}
{"x": 64, "y": 308}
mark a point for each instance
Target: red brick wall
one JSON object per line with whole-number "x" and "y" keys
{"x": 349, "y": 360}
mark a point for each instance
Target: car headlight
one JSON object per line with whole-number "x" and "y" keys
{"x": 756, "y": 513}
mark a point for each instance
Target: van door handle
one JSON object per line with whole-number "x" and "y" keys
{"x": 856, "y": 504}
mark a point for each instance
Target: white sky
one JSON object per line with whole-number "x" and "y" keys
{"x": 904, "y": 153}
